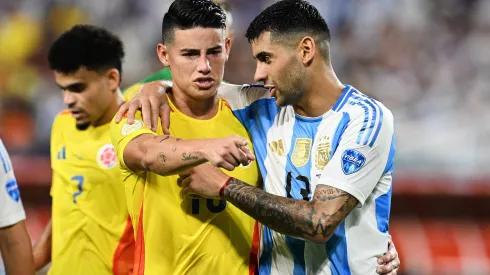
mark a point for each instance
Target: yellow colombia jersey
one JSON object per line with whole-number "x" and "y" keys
{"x": 92, "y": 232}
{"x": 181, "y": 235}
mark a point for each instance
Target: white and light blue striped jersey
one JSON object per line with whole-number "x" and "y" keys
{"x": 351, "y": 147}
{"x": 11, "y": 209}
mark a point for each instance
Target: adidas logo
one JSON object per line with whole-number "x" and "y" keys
{"x": 62, "y": 153}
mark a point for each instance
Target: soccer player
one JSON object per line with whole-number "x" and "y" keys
{"x": 91, "y": 231}
{"x": 15, "y": 243}
{"x": 176, "y": 235}
{"x": 325, "y": 152}
{"x": 165, "y": 73}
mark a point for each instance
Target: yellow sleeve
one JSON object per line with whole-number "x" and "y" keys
{"x": 57, "y": 150}
{"x": 131, "y": 91}
{"x": 123, "y": 132}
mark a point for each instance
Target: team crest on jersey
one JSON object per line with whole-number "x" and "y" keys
{"x": 323, "y": 153}
{"x": 106, "y": 157}
{"x": 352, "y": 161}
{"x": 129, "y": 128}
{"x": 13, "y": 190}
{"x": 301, "y": 152}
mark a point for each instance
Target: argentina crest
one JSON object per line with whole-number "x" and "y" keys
{"x": 323, "y": 152}
{"x": 301, "y": 152}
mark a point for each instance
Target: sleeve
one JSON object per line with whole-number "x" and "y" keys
{"x": 11, "y": 208}
{"x": 57, "y": 149}
{"x": 123, "y": 132}
{"x": 241, "y": 96}
{"x": 359, "y": 160}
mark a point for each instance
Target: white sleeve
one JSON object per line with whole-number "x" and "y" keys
{"x": 241, "y": 96}
{"x": 11, "y": 209}
{"x": 356, "y": 167}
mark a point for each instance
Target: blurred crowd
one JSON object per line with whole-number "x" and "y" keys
{"x": 426, "y": 60}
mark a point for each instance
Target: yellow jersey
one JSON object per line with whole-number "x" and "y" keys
{"x": 183, "y": 235}
{"x": 92, "y": 232}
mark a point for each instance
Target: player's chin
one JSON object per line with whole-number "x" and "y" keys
{"x": 280, "y": 102}
{"x": 205, "y": 93}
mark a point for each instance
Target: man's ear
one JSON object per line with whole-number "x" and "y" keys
{"x": 162, "y": 52}
{"x": 306, "y": 50}
{"x": 114, "y": 78}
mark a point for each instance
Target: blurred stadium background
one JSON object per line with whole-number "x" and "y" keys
{"x": 426, "y": 60}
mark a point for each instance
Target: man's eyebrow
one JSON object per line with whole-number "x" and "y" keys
{"x": 70, "y": 86}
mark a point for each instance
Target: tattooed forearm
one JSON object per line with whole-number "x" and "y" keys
{"x": 313, "y": 220}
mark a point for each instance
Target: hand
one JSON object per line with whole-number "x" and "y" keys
{"x": 389, "y": 263}
{"x": 205, "y": 180}
{"x": 153, "y": 102}
{"x": 228, "y": 152}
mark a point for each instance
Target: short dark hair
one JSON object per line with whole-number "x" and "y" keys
{"x": 288, "y": 18}
{"x": 87, "y": 46}
{"x": 188, "y": 14}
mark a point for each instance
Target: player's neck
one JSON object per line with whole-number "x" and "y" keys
{"x": 194, "y": 108}
{"x": 112, "y": 110}
{"x": 324, "y": 90}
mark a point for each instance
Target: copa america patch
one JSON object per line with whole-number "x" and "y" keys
{"x": 129, "y": 128}
{"x": 13, "y": 190}
{"x": 106, "y": 157}
{"x": 352, "y": 161}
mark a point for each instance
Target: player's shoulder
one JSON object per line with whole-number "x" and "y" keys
{"x": 361, "y": 106}
{"x": 123, "y": 127}
{"x": 131, "y": 91}
{"x": 64, "y": 118}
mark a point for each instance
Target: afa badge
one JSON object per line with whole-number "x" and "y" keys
{"x": 323, "y": 153}
{"x": 13, "y": 190}
{"x": 129, "y": 128}
{"x": 301, "y": 152}
{"x": 106, "y": 157}
{"x": 352, "y": 161}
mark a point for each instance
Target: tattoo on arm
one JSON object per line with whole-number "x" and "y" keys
{"x": 164, "y": 138}
{"x": 162, "y": 159}
{"x": 188, "y": 157}
{"x": 174, "y": 148}
{"x": 314, "y": 220}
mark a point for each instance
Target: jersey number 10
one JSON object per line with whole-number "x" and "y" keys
{"x": 210, "y": 204}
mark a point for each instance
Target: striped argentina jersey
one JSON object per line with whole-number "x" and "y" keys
{"x": 351, "y": 147}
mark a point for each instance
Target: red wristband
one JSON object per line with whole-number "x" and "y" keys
{"x": 222, "y": 190}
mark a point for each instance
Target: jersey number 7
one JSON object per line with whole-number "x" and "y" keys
{"x": 79, "y": 179}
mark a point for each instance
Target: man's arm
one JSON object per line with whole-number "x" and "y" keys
{"x": 42, "y": 249}
{"x": 167, "y": 155}
{"x": 314, "y": 220}
{"x": 16, "y": 249}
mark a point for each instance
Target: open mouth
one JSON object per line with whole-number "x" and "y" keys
{"x": 272, "y": 90}
{"x": 204, "y": 82}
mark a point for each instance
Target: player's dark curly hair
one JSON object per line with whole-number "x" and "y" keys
{"x": 87, "y": 46}
{"x": 188, "y": 14}
{"x": 289, "y": 19}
